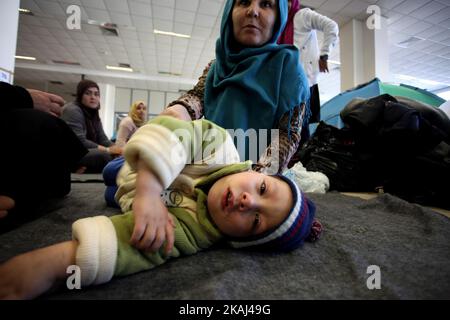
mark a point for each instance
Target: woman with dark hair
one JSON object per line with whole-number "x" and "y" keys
{"x": 82, "y": 116}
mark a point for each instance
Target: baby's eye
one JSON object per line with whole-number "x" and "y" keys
{"x": 262, "y": 189}
{"x": 243, "y": 2}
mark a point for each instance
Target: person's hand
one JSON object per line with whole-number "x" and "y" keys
{"x": 115, "y": 150}
{"x": 177, "y": 111}
{"x": 152, "y": 224}
{"x": 47, "y": 102}
{"x": 6, "y": 204}
{"x": 323, "y": 65}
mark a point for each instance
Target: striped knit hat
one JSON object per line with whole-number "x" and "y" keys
{"x": 298, "y": 226}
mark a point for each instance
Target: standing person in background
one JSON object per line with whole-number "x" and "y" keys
{"x": 301, "y": 31}
{"x": 38, "y": 153}
{"x": 135, "y": 119}
{"x": 83, "y": 118}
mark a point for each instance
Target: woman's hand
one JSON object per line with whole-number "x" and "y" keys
{"x": 152, "y": 222}
{"x": 47, "y": 102}
{"x": 115, "y": 150}
{"x": 177, "y": 111}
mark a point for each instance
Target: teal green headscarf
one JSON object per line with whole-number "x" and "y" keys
{"x": 253, "y": 87}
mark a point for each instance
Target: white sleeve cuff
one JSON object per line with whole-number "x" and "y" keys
{"x": 97, "y": 249}
{"x": 160, "y": 149}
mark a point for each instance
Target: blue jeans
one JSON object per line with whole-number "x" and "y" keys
{"x": 109, "y": 176}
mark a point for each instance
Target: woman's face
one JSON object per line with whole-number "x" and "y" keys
{"x": 254, "y": 21}
{"x": 141, "y": 110}
{"x": 91, "y": 98}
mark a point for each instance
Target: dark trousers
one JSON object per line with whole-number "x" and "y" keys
{"x": 314, "y": 103}
{"x": 39, "y": 151}
{"x": 95, "y": 161}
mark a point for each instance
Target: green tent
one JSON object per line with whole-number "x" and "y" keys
{"x": 331, "y": 109}
{"x": 411, "y": 92}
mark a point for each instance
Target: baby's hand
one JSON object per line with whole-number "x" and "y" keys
{"x": 152, "y": 224}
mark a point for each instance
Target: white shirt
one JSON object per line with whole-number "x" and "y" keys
{"x": 306, "y": 22}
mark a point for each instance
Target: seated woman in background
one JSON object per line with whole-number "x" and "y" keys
{"x": 135, "y": 119}
{"x": 253, "y": 83}
{"x": 83, "y": 118}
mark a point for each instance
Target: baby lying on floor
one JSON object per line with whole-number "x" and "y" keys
{"x": 182, "y": 190}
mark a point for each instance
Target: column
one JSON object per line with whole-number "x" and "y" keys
{"x": 107, "y": 103}
{"x": 9, "y": 24}
{"x": 364, "y": 53}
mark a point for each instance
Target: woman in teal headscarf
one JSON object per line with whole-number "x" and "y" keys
{"x": 254, "y": 83}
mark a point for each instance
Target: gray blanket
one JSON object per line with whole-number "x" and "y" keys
{"x": 409, "y": 243}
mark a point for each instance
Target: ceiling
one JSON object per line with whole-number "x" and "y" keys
{"x": 167, "y": 63}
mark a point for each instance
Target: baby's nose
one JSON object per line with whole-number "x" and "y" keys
{"x": 246, "y": 202}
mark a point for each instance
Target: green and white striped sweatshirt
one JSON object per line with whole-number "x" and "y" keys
{"x": 187, "y": 157}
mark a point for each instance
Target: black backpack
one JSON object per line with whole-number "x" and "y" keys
{"x": 333, "y": 152}
{"x": 385, "y": 145}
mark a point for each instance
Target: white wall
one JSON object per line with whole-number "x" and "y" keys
{"x": 107, "y": 103}
{"x": 9, "y": 24}
{"x": 156, "y": 102}
{"x": 123, "y": 100}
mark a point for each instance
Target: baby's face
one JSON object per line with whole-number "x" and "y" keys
{"x": 249, "y": 203}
